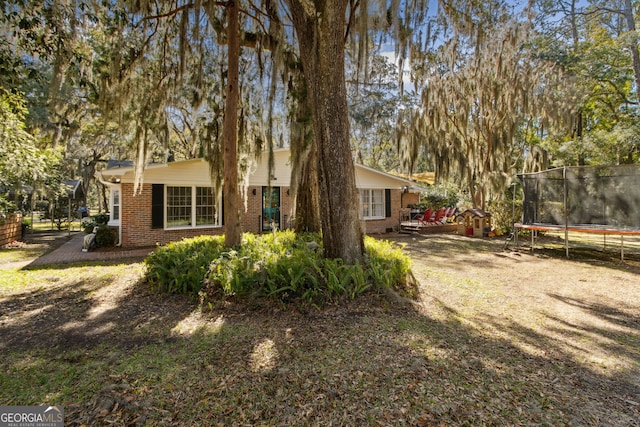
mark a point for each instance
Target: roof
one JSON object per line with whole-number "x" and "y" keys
{"x": 422, "y": 177}
{"x": 114, "y": 164}
{"x": 189, "y": 171}
{"x": 74, "y": 188}
{"x": 474, "y": 212}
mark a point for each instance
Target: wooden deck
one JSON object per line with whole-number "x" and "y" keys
{"x": 416, "y": 227}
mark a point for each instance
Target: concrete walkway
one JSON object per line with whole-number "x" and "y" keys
{"x": 71, "y": 252}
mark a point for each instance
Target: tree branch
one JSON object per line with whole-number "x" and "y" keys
{"x": 184, "y": 7}
{"x": 352, "y": 14}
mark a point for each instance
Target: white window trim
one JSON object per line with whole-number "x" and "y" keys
{"x": 360, "y": 207}
{"x": 218, "y": 223}
{"x": 115, "y": 222}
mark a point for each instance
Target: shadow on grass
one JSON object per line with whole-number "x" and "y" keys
{"x": 73, "y": 316}
{"x": 370, "y": 366}
{"x": 462, "y": 249}
{"x": 154, "y": 359}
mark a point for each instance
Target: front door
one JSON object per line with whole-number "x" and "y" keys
{"x": 270, "y": 208}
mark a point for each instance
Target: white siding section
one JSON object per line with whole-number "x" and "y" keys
{"x": 369, "y": 178}
{"x": 196, "y": 172}
{"x": 281, "y": 171}
{"x": 188, "y": 172}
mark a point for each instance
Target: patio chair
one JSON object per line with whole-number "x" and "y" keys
{"x": 450, "y": 217}
{"x": 426, "y": 217}
{"x": 438, "y": 218}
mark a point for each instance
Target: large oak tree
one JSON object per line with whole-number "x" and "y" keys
{"x": 320, "y": 27}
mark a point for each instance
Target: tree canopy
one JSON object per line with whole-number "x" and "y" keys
{"x": 479, "y": 91}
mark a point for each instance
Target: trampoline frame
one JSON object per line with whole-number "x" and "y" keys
{"x": 604, "y": 229}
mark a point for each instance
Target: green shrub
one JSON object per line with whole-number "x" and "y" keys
{"x": 101, "y": 218}
{"x": 232, "y": 272}
{"x": 88, "y": 225}
{"x": 6, "y": 206}
{"x": 503, "y": 215}
{"x": 106, "y": 236}
{"x": 389, "y": 267}
{"x": 180, "y": 267}
{"x": 280, "y": 266}
{"x": 97, "y": 220}
{"x": 440, "y": 196}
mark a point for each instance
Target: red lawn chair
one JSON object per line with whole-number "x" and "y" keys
{"x": 452, "y": 214}
{"x": 425, "y": 218}
{"x": 437, "y": 219}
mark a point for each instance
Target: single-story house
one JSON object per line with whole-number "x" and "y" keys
{"x": 176, "y": 200}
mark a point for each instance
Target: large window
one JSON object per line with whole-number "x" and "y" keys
{"x": 205, "y": 206}
{"x": 372, "y": 204}
{"x": 191, "y": 207}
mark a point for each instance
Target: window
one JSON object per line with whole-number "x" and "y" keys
{"x": 205, "y": 206}
{"x": 115, "y": 211}
{"x": 178, "y": 207}
{"x": 188, "y": 207}
{"x": 372, "y": 204}
{"x": 114, "y": 206}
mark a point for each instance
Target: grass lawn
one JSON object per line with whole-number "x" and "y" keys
{"x": 496, "y": 338}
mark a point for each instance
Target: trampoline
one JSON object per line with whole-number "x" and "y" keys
{"x": 585, "y": 199}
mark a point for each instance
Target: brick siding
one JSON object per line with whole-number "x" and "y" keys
{"x": 376, "y": 226}
{"x": 11, "y": 228}
{"x": 137, "y": 230}
{"x": 136, "y": 218}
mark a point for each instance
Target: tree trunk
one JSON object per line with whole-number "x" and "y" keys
{"x": 307, "y": 203}
{"x": 628, "y": 14}
{"x": 231, "y": 198}
{"x": 304, "y": 156}
{"x": 320, "y": 27}
{"x": 88, "y": 172}
{"x": 578, "y": 134}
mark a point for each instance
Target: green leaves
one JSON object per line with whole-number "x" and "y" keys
{"x": 22, "y": 162}
{"x": 278, "y": 266}
{"x": 19, "y": 157}
{"x": 180, "y": 267}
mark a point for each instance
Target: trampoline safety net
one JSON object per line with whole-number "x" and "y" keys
{"x": 583, "y": 196}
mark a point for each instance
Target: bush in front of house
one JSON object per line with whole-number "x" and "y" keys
{"x": 281, "y": 266}
{"x": 180, "y": 267}
{"x": 88, "y": 225}
{"x": 101, "y": 218}
{"x": 106, "y": 237}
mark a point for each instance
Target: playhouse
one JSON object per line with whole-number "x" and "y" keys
{"x": 474, "y": 223}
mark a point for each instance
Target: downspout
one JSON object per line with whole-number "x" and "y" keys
{"x": 98, "y": 176}
{"x": 120, "y": 229}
